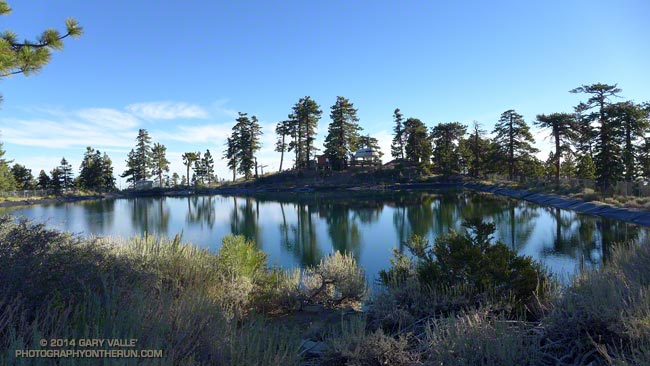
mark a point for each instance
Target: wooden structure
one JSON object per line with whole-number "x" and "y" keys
{"x": 366, "y": 157}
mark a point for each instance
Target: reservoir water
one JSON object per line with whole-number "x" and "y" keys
{"x": 299, "y": 229}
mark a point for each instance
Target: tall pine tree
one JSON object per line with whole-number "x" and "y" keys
{"x": 607, "y": 149}
{"x": 7, "y": 182}
{"x": 188, "y": 160}
{"x": 342, "y": 134}
{"x": 446, "y": 138}
{"x": 66, "y": 177}
{"x": 514, "y": 140}
{"x": 283, "y": 130}
{"x": 159, "y": 162}
{"x": 563, "y": 127}
{"x": 399, "y": 141}
{"x": 304, "y": 121}
{"x": 208, "y": 165}
{"x": 418, "y": 147}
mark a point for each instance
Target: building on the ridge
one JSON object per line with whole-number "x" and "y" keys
{"x": 366, "y": 156}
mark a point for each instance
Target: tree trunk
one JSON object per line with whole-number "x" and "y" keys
{"x": 256, "y": 176}
{"x": 299, "y": 146}
{"x": 282, "y": 154}
{"x": 187, "y": 182}
{"x": 476, "y": 154}
{"x": 511, "y": 153}
{"x": 557, "y": 159}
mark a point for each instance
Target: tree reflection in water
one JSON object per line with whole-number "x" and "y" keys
{"x": 299, "y": 229}
{"x": 150, "y": 215}
{"x": 244, "y": 219}
{"x": 201, "y": 210}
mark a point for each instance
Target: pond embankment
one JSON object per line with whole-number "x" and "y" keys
{"x": 623, "y": 214}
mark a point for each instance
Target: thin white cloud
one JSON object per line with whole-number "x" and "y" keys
{"x": 108, "y": 118}
{"x": 215, "y": 133}
{"x": 166, "y": 110}
{"x": 59, "y": 134}
{"x": 219, "y": 108}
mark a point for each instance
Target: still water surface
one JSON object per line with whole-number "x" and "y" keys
{"x": 299, "y": 229}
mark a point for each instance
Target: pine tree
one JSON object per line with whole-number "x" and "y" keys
{"x": 607, "y": 149}
{"x": 143, "y": 153}
{"x": 44, "y": 181}
{"x": 7, "y": 182}
{"x": 242, "y": 145}
{"x": 550, "y": 167}
{"x": 585, "y": 133}
{"x": 475, "y": 150}
{"x": 568, "y": 168}
{"x": 138, "y": 161}
{"x": 446, "y": 154}
{"x": 108, "y": 180}
{"x": 562, "y": 126}
{"x": 199, "y": 170}
{"x": 342, "y": 134}
{"x": 66, "y": 174}
{"x": 230, "y": 154}
{"x": 585, "y": 168}
{"x": 23, "y": 177}
{"x": 253, "y": 145}
{"x": 91, "y": 174}
{"x": 399, "y": 141}
{"x": 175, "y": 179}
{"x": 282, "y": 129}
{"x": 159, "y": 162}
{"x": 631, "y": 121}
{"x": 29, "y": 57}
{"x": 208, "y": 164}
{"x": 188, "y": 160}
{"x": 304, "y": 120}
{"x": 418, "y": 147}
{"x": 514, "y": 139}
{"x": 131, "y": 173}
{"x": 57, "y": 178}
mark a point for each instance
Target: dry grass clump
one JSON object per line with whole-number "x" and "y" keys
{"x": 604, "y": 316}
{"x": 165, "y": 294}
{"x": 336, "y": 280}
{"x": 353, "y": 345}
{"x": 481, "y": 339}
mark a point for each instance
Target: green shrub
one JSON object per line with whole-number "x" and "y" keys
{"x": 471, "y": 261}
{"x": 240, "y": 258}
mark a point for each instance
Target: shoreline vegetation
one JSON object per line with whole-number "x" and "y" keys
{"x": 462, "y": 300}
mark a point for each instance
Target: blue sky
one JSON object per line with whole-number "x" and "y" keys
{"x": 182, "y": 69}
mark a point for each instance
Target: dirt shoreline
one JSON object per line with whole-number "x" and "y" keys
{"x": 63, "y": 199}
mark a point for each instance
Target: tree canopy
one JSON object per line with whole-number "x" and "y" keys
{"x": 29, "y": 57}
{"x": 343, "y": 133}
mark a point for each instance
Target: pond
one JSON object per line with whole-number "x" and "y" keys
{"x": 299, "y": 229}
